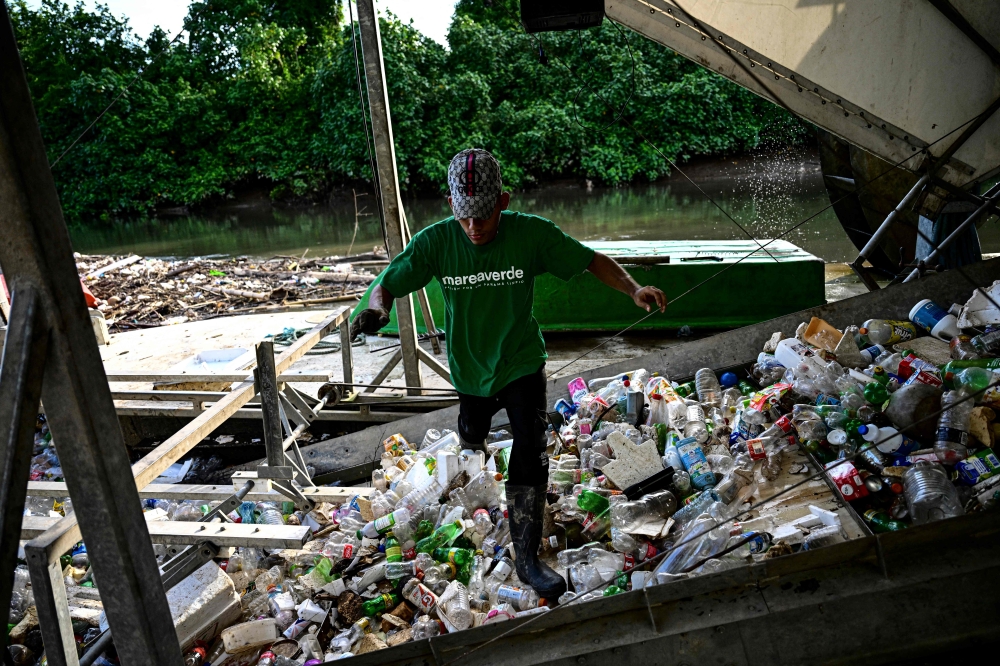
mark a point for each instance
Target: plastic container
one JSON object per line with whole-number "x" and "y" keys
{"x": 249, "y": 635}
{"x": 929, "y": 493}
{"x": 931, "y": 317}
{"x": 708, "y": 388}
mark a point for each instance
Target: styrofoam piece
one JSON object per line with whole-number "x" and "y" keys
{"x": 247, "y": 635}
{"x": 829, "y": 518}
{"x": 790, "y": 534}
{"x": 202, "y": 604}
{"x": 632, "y": 463}
{"x": 175, "y": 473}
{"x": 335, "y": 587}
{"x": 447, "y": 467}
{"x": 808, "y": 522}
{"x": 978, "y": 311}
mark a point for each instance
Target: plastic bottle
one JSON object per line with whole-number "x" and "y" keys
{"x": 397, "y": 570}
{"x": 888, "y": 332}
{"x": 426, "y": 627}
{"x": 931, "y": 317}
{"x": 520, "y": 598}
{"x": 972, "y": 380}
{"x": 442, "y": 536}
{"x": 267, "y": 659}
{"x": 343, "y": 641}
{"x": 880, "y": 522}
{"x": 659, "y": 504}
{"x": 987, "y": 344}
{"x": 440, "y": 572}
{"x": 695, "y": 426}
{"x": 952, "y": 440}
{"x": 708, "y": 388}
{"x": 380, "y": 526}
{"x": 695, "y": 463}
{"x": 929, "y": 494}
{"x": 457, "y": 607}
{"x": 380, "y": 604}
{"x": 962, "y": 348}
{"x": 592, "y": 502}
{"x": 694, "y": 508}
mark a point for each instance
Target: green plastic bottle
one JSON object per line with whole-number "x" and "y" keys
{"x": 971, "y": 380}
{"x": 592, "y": 502}
{"x": 876, "y": 394}
{"x": 424, "y": 529}
{"x": 443, "y": 536}
{"x": 881, "y": 522}
{"x": 954, "y": 367}
{"x": 746, "y": 388}
{"x": 684, "y": 390}
{"x": 661, "y": 436}
{"x": 457, "y": 556}
{"x": 380, "y": 604}
{"x": 393, "y": 553}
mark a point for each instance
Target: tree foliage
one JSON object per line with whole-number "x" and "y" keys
{"x": 262, "y": 94}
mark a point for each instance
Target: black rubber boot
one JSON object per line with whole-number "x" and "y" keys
{"x": 525, "y": 505}
{"x": 474, "y": 446}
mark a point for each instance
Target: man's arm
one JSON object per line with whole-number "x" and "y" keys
{"x": 610, "y": 273}
{"x": 370, "y": 320}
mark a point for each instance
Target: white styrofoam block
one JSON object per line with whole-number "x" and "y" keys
{"x": 829, "y": 518}
{"x": 790, "y": 534}
{"x": 632, "y": 463}
{"x": 203, "y": 604}
{"x": 808, "y": 522}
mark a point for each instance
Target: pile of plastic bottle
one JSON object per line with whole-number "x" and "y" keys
{"x": 648, "y": 480}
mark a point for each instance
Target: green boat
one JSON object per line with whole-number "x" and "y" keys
{"x": 754, "y": 286}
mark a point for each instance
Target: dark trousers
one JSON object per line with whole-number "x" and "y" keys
{"x": 524, "y": 400}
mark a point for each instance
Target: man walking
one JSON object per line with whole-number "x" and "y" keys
{"x": 486, "y": 259}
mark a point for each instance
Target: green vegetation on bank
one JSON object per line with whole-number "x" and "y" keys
{"x": 262, "y": 94}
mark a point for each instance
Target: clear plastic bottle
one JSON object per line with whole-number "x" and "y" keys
{"x": 380, "y": 526}
{"x": 953, "y": 427}
{"x": 695, "y": 463}
{"x": 708, "y": 388}
{"x": 397, "y": 570}
{"x": 627, "y": 515}
{"x": 929, "y": 494}
{"x": 573, "y": 555}
{"x": 520, "y": 598}
{"x": 987, "y": 344}
{"x": 426, "y": 627}
{"x": 694, "y": 508}
{"x": 342, "y": 642}
{"x": 457, "y": 608}
{"x": 695, "y": 426}
{"x": 440, "y": 572}
{"x": 887, "y": 332}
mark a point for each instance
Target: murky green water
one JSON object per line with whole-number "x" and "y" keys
{"x": 765, "y": 198}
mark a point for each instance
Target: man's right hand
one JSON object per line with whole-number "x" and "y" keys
{"x": 369, "y": 321}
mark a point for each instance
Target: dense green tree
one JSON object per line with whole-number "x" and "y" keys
{"x": 262, "y": 95}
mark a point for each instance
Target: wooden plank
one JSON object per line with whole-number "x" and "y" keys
{"x": 66, "y": 532}
{"x": 325, "y": 415}
{"x": 189, "y": 533}
{"x": 212, "y": 493}
{"x": 166, "y": 377}
{"x": 110, "y": 268}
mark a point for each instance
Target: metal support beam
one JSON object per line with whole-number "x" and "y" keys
{"x": 35, "y": 249}
{"x": 876, "y": 238}
{"x": 266, "y": 381}
{"x": 388, "y": 178}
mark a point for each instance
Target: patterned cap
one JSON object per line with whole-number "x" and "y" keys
{"x": 475, "y": 184}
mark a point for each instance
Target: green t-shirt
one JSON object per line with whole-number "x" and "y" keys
{"x": 493, "y": 337}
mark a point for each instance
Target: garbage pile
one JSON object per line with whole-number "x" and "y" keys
{"x": 137, "y": 292}
{"x": 649, "y": 482}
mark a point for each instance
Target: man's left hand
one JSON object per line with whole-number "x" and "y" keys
{"x": 645, "y": 296}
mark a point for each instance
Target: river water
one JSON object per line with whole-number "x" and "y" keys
{"x": 765, "y": 195}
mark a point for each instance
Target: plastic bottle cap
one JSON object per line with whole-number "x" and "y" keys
{"x": 862, "y": 430}
{"x": 863, "y": 331}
